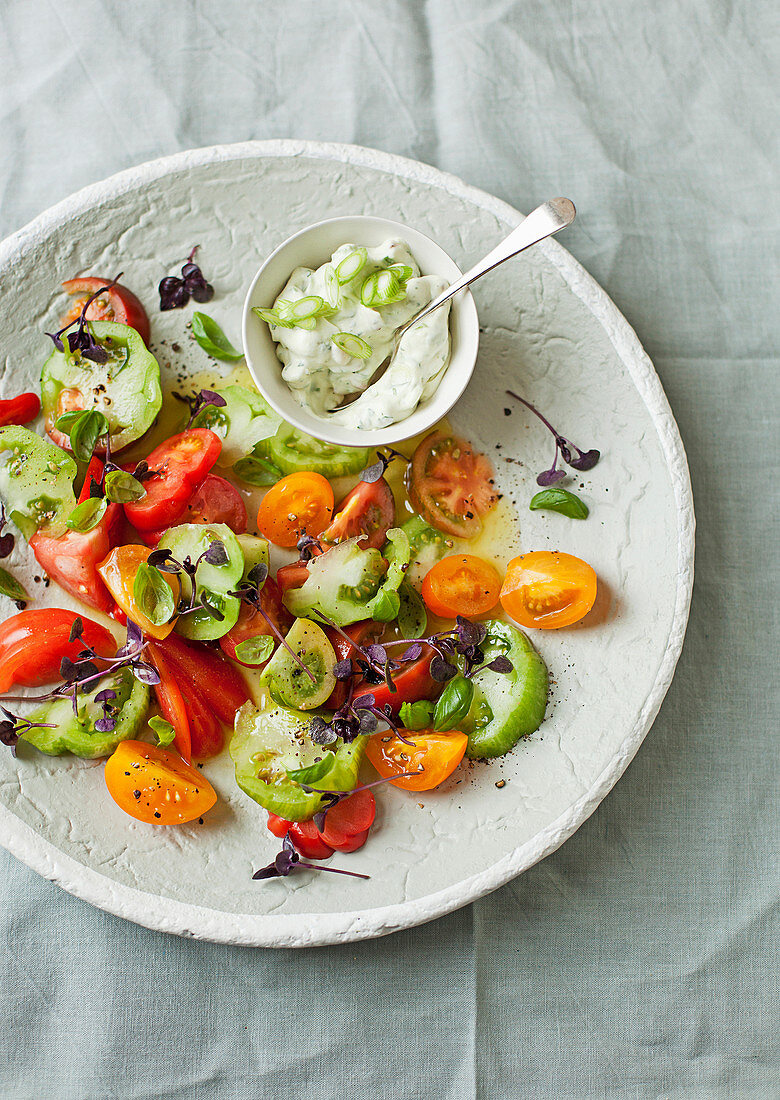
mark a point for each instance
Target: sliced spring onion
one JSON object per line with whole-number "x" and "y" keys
{"x": 353, "y": 345}
{"x": 381, "y": 289}
{"x": 402, "y": 272}
{"x": 332, "y": 287}
{"x": 305, "y": 308}
{"x": 351, "y": 265}
{"x": 271, "y": 317}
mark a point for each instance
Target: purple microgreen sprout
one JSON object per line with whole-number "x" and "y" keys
{"x": 288, "y": 860}
{"x": 377, "y": 470}
{"x": 13, "y": 727}
{"x": 175, "y": 292}
{"x": 373, "y": 662}
{"x": 7, "y": 540}
{"x": 82, "y": 339}
{"x": 332, "y": 798}
{"x": 569, "y": 452}
{"x": 108, "y": 721}
{"x": 199, "y": 401}
{"x": 214, "y": 554}
{"x": 308, "y": 547}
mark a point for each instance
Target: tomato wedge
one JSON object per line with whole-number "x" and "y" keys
{"x": 156, "y": 786}
{"x": 118, "y": 573}
{"x": 217, "y": 501}
{"x": 435, "y": 756}
{"x": 548, "y": 590}
{"x": 73, "y": 559}
{"x": 369, "y": 509}
{"x": 251, "y": 623}
{"x": 19, "y": 410}
{"x": 299, "y": 504}
{"x": 461, "y": 584}
{"x": 412, "y": 682}
{"x": 216, "y": 679}
{"x": 171, "y": 703}
{"x": 33, "y": 643}
{"x": 362, "y": 634}
{"x": 182, "y": 463}
{"x": 451, "y": 485}
{"x": 205, "y": 732}
{"x": 117, "y": 303}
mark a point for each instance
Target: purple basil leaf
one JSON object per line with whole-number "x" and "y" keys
{"x": 377, "y": 653}
{"x": 216, "y": 554}
{"x": 343, "y": 669}
{"x": 76, "y": 630}
{"x": 173, "y": 293}
{"x": 105, "y": 696}
{"x": 585, "y": 461}
{"x": 266, "y": 872}
{"x": 412, "y": 653}
{"x": 565, "y": 447}
{"x": 56, "y": 339}
{"x": 257, "y": 574}
{"x": 105, "y": 725}
{"x": 145, "y": 673}
{"x": 368, "y": 721}
{"x": 373, "y": 473}
{"x": 141, "y": 472}
{"x": 469, "y": 633}
{"x": 441, "y": 671}
{"x": 8, "y": 734}
{"x": 364, "y": 701}
{"x": 321, "y": 733}
{"x": 549, "y": 477}
{"x": 208, "y": 397}
{"x": 501, "y": 664}
{"x": 6, "y": 544}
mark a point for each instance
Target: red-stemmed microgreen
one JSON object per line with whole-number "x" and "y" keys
{"x": 14, "y": 726}
{"x": 214, "y": 554}
{"x": 250, "y": 592}
{"x": 569, "y": 452}
{"x": 378, "y": 469}
{"x": 288, "y": 860}
{"x": 82, "y": 339}
{"x": 175, "y": 292}
{"x": 198, "y": 401}
{"x": 332, "y": 798}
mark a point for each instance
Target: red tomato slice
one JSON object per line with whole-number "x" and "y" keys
{"x": 369, "y": 509}
{"x": 291, "y": 576}
{"x": 217, "y": 501}
{"x": 94, "y": 473}
{"x": 182, "y": 462}
{"x": 352, "y": 843}
{"x": 279, "y": 826}
{"x": 171, "y": 702}
{"x": 72, "y": 559}
{"x": 362, "y": 633}
{"x": 19, "y": 410}
{"x": 349, "y": 818}
{"x": 115, "y": 304}
{"x": 33, "y": 643}
{"x": 219, "y": 682}
{"x": 412, "y": 682}
{"x": 451, "y": 485}
{"x": 306, "y": 838}
{"x": 251, "y": 623}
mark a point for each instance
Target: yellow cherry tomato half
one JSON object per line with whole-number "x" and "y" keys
{"x": 118, "y": 571}
{"x": 433, "y": 757}
{"x": 298, "y": 504}
{"x": 547, "y": 590}
{"x": 156, "y": 786}
{"x": 461, "y": 584}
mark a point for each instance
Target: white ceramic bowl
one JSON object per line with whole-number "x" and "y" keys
{"x": 314, "y": 246}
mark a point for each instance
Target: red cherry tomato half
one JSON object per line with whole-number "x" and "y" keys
{"x": 349, "y": 818}
{"x": 451, "y": 484}
{"x": 251, "y": 623}
{"x": 115, "y": 304}
{"x": 19, "y": 410}
{"x": 217, "y": 501}
{"x": 33, "y": 643}
{"x": 182, "y": 463}
{"x": 369, "y": 509}
{"x": 72, "y": 560}
{"x": 306, "y": 838}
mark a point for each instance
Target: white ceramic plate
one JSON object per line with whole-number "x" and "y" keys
{"x": 549, "y": 331}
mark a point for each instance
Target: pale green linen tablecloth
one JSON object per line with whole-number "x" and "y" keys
{"x": 640, "y": 960}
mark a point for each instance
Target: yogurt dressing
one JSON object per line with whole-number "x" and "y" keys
{"x": 320, "y": 374}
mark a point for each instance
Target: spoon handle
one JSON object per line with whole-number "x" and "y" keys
{"x": 542, "y": 222}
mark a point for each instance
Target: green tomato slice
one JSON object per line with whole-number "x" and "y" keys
{"x": 126, "y": 388}
{"x": 212, "y": 582}
{"x": 267, "y": 744}
{"x": 36, "y": 482}
{"x": 292, "y": 684}
{"x": 241, "y": 423}
{"x": 293, "y": 451}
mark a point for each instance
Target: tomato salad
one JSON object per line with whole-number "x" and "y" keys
{"x": 339, "y": 619}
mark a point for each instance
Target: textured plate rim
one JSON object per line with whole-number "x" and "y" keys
{"x": 312, "y": 929}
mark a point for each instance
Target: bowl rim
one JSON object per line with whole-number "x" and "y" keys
{"x": 171, "y": 915}
{"x": 441, "y": 401}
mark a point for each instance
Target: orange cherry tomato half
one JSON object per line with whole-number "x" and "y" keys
{"x": 548, "y": 590}
{"x": 298, "y": 504}
{"x": 118, "y": 572}
{"x": 156, "y": 786}
{"x": 435, "y": 756}
{"x": 461, "y": 584}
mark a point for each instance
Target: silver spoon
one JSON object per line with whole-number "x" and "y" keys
{"x": 542, "y": 222}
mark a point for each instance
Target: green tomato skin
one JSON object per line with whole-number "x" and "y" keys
{"x": 506, "y": 706}
{"x": 268, "y": 743}
{"x": 129, "y": 397}
{"x": 293, "y": 451}
{"x": 427, "y": 547}
{"x": 189, "y": 540}
{"x": 287, "y": 679}
{"x": 78, "y": 735}
{"x": 241, "y": 423}
{"x": 36, "y": 483}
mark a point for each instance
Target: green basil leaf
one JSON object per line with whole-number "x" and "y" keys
{"x": 412, "y": 616}
{"x": 385, "y": 607}
{"x": 9, "y": 586}
{"x": 121, "y": 487}
{"x": 257, "y": 471}
{"x": 254, "y": 651}
{"x": 212, "y": 339}
{"x": 85, "y": 432}
{"x": 153, "y": 595}
{"x": 65, "y": 422}
{"x": 163, "y": 730}
{"x": 559, "y": 500}
{"x": 314, "y": 771}
{"x": 87, "y": 515}
{"x": 417, "y": 716}
{"x": 454, "y": 704}
{"x": 212, "y": 604}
